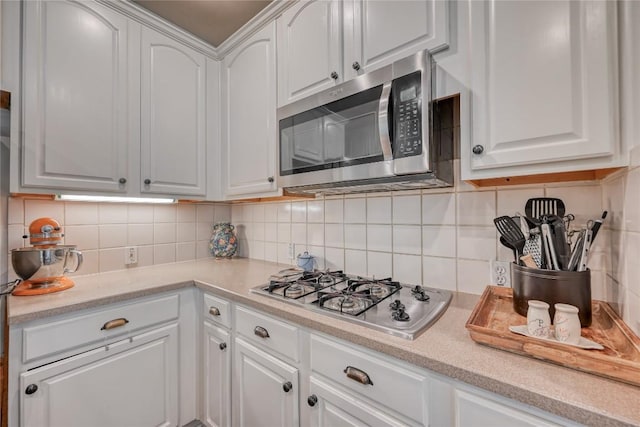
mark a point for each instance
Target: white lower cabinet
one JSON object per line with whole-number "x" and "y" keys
{"x": 265, "y": 389}
{"x": 216, "y": 400}
{"x": 133, "y": 382}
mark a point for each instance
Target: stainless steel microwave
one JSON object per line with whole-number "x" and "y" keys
{"x": 372, "y": 133}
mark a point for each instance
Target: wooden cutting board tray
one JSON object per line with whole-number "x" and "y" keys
{"x": 620, "y": 360}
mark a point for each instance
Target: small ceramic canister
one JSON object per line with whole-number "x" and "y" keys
{"x": 538, "y": 319}
{"x": 567, "y": 323}
{"x": 305, "y": 261}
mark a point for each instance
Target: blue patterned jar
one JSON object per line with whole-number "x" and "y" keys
{"x": 223, "y": 243}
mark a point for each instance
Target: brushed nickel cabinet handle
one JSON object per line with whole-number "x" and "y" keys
{"x": 261, "y": 332}
{"x": 214, "y": 311}
{"x": 115, "y": 323}
{"x": 358, "y": 375}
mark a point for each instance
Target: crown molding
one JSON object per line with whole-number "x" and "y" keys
{"x": 144, "y": 16}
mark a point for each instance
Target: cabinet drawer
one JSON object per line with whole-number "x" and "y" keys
{"x": 390, "y": 385}
{"x": 268, "y": 332}
{"x": 217, "y": 310}
{"x": 71, "y": 332}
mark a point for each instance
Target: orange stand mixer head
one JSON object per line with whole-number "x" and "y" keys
{"x": 43, "y": 265}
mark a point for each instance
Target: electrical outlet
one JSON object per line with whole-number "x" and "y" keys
{"x": 292, "y": 250}
{"x": 500, "y": 273}
{"x": 130, "y": 255}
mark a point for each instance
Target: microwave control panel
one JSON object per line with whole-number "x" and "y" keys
{"x": 407, "y": 115}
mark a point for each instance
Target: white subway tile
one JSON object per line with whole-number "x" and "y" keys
{"x": 439, "y": 241}
{"x": 334, "y": 211}
{"x": 257, "y": 212}
{"x": 299, "y": 233}
{"x": 407, "y": 269}
{"x": 186, "y": 232}
{"x": 632, "y": 262}
{"x": 473, "y": 276}
{"x": 584, "y": 201}
{"x": 111, "y": 259}
{"x": 284, "y": 233}
{"x": 271, "y": 212}
{"x": 14, "y": 236}
{"x": 34, "y": 209}
{"x": 299, "y": 212}
{"x": 164, "y": 233}
{"x": 16, "y": 211}
{"x": 222, "y": 213}
{"x": 613, "y": 202}
{"x": 407, "y": 239}
{"x": 270, "y": 232}
{"x": 84, "y": 236}
{"x": 204, "y": 231}
{"x": 243, "y": 231}
{"x": 439, "y": 272}
{"x": 140, "y": 234}
{"x": 355, "y": 262}
{"x": 271, "y": 251}
{"x": 334, "y": 235}
{"x": 407, "y": 210}
{"x": 90, "y": 263}
{"x": 512, "y": 201}
{"x": 113, "y": 235}
{"x": 476, "y": 208}
{"x": 379, "y": 264}
{"x": 284, "y": 212}
{"x": 439, "y": 209}
{"x": 145, "y": 257}
{"x": 355, "y": 236}
{"x": 186, "y": 212}
{"x": 632, "y": 201}
{"x": 477, "y": 243}
{"x": 80, "y": 213}
{"x": 379, "y": 210}
{"x": 318, "y": 256}
{"x": 163, "y": 254}
{"x": 315, "y": 234}
{"x": 283, "y": 254}
{"x": 140, "y": 214}
{"x": 379, "y": 238}
{"x": 185, "y": 251}
{"x": 237, "y": 214}
{"x": 258, "y": 231}
{"x": 113, "y": 213}
{"x": 334, "y": 258}
{"x": 315, "y": 211}
{"x": 355, "y": 211}
{"x": 205, "y": 213}
{"x": 202, "y": 249}
{"x": 256, "y": 250}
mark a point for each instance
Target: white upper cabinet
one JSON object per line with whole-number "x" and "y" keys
{"x": 321, "y": 43}
{"x": 76, "y": 111}
{"x": 309, "y": 48}
{"x": 544, "y": 82}
{"x": 249, "y": 116}
{"x": 173, "y": 127}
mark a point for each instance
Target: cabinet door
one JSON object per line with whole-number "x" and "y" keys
{"x": 249, "y": 116}
{"x": 380, "y": 32}
{"x": 473, "y": 410}
{"x": 75, "y": 97}
{"x": 217, "y": 376}
{"x": 133, "y": 382}
{"x": 260, "y": 386}
{"x": 172, "y": 117}
{"x": 309, "y": 49}
{"x": 543, "y": 83}
{"x": 333, "y": 407}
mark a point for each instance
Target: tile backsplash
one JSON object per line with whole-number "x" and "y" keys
{"x": 162, "y": 233}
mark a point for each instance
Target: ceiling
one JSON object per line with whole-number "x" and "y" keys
{"x": 211, "y": 20}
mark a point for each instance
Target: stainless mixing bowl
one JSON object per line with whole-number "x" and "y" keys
{"x": 41, "y": 265}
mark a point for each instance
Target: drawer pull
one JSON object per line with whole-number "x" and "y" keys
{"x": 261, "y": 332}
{"x": 115, "y": 323}
{"x": 214, "y": 311}
{"x": 223, "y": 346}
{"x": 287, "y": 386}
{"x": 358, "y": 375}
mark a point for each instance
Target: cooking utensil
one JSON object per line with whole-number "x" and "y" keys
{"x": 549, "y": 248}
{"x": 508, "y": 245}
{"x": 577, "y": 251}
{"x": 524, "y": 225}
{"x": 596, "y": 226}
{"x": 533, "y": 247}
{"x": 512, "y": 234}
{"x": 582, "y": 263}
{"x": 538, "y": 207}
{"x": 562, "y": 249}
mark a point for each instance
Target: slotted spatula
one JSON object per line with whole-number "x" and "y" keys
{"x": 512, "y": 234}
{"x": 538, "y": 207}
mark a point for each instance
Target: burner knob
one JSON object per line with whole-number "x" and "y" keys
{"x": 396, "y": 305}
{"x": 400, "y": 315}
{"x": 421, "y": 296}
{"x": 417, "y": 290}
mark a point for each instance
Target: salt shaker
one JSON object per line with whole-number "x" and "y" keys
{"x": 538, "y": 319}
{"x": 567, "y": 323}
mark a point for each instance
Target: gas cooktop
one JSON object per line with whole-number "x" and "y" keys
{"x": 382, "y": 304}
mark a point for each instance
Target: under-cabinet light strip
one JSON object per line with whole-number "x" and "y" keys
{"x": 113, "y": 199}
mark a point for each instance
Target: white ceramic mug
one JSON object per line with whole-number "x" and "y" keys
{"x": 538, "y": 319}
{"x": 567, "y": 323}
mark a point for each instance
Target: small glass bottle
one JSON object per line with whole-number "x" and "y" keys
{"x": 567, "y": 323}
{"x": 538, "y": 319}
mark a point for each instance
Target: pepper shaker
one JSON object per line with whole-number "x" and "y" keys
{"x": 538, "y": 319}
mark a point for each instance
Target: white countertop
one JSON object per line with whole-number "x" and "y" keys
{"x": 445, "y": 347}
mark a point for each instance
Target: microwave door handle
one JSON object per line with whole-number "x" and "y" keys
{"x": 383, "y": 122}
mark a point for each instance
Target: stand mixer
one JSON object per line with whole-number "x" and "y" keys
{"x": 43, "y": 266}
